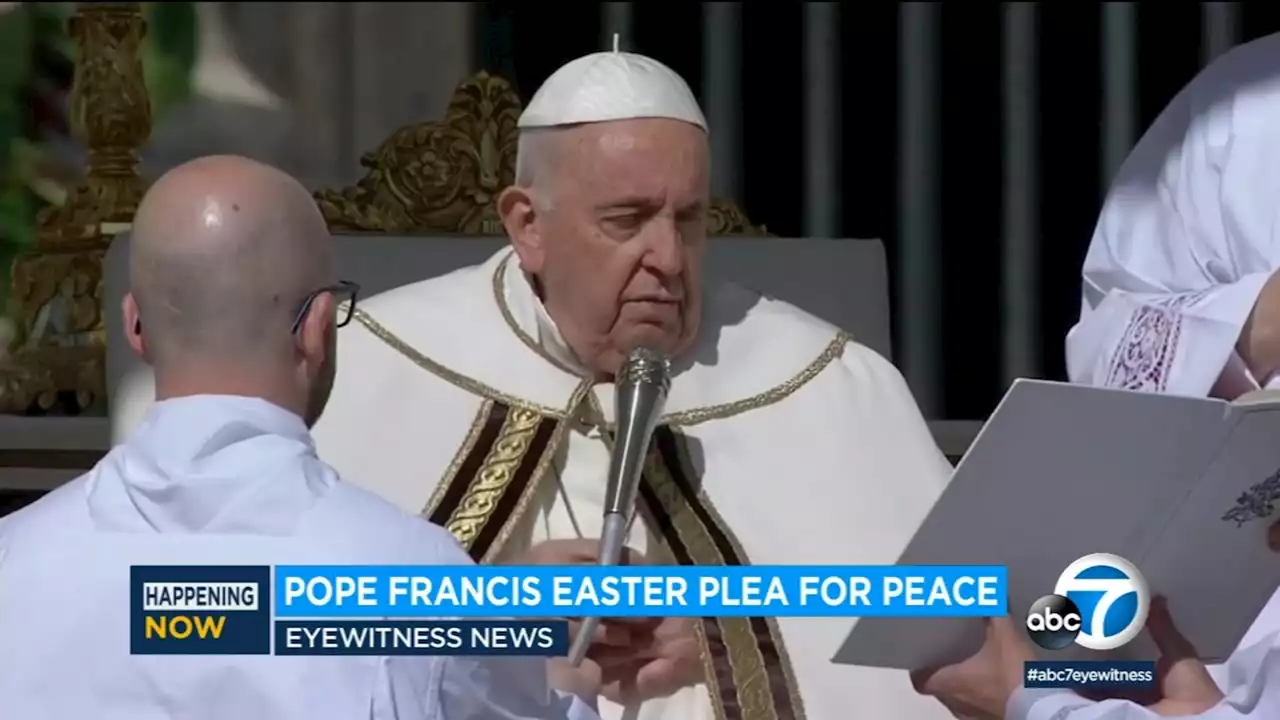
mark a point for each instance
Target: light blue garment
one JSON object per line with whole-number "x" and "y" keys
{"x": 1252, "y": 688}
{"x": 222, "y": 480}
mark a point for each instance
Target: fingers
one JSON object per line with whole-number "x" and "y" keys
{"x": 612, "y": 634}
{"x": 1000, "y": 628}
{"x": 584, "y": 681}
{"x": 619, "y": 686}
{"x": 571, "y": 551}
{"x": 662, "y": 677}
{"x": 620, "y": 632}
{"x": 920, "y": 679}
{"x": 635, "y": 623}
{"x": 1164, "y": 633}
{"x": 612, "y": 656}
{"x": 1188, "y": 681}
{"x": 1182, "y": 674}
{"x": 1185, "y": 677}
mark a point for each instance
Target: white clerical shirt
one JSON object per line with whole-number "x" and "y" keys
{"x": 222, "y": 481}
{"x": 783, "y": 443}
{"x": 1184, "y": 244}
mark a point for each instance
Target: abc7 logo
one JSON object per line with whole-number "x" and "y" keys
{"x": 1100, "y": 603}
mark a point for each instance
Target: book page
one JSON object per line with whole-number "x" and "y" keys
{"x": 1267, "y": 396}
{"x": 1060, "y": 471}
{"x": 1212, "y": 559}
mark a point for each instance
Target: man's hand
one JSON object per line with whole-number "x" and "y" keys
{"x": 613, "y": 632}
{"x": 1259, "y": 341}
{"x": 1273, "y": 537}
{"x": 638, "y": 658}
{"x": 585, "y": 681}
{"x": 979, "y": 688}
{"x": 666, "y": 659}
{"x": 1186, "y": 687}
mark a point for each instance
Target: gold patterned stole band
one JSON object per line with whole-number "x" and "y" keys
{"x": 747, "y": 668}
{"x": 497, "y": 470}
{"x": 493, "y": 476}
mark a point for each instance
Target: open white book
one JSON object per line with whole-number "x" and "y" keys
{"x": 1185, "y": 488}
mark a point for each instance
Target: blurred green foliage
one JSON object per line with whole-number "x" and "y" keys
{"x": 17, "y": 34}
{"x": 26, "y": 183}
{"x": 169, "y": 54}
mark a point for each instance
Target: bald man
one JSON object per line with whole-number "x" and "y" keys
{"x": 235, "y": 305}
{"x": 484, "y": 400}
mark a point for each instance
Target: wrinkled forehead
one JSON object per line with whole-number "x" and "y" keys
{"x": 648, "y": 157}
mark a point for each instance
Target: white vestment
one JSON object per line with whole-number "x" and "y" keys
{"x": 1187, "y": 238}
{"x": 216, "y": 480}
{"x": 1184, "y": 244}
{"x": 808, "y": 448}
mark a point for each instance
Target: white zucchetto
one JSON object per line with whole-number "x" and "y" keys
{"x": 611, "y": 86}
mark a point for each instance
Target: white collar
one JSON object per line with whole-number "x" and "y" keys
{"x": 211, "y": 464}
{"x": 531, "y": 318}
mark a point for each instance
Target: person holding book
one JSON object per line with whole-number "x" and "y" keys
{"x": 1179, "y": 290}
{"x": 1180, "y": 294}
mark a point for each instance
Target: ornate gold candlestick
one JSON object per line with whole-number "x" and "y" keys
{"x": 56, "y": 363}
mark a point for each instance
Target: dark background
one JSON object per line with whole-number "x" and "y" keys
{"x": 526, "y": 43}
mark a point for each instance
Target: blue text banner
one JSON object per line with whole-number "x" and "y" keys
{"x": 668, "y": 591}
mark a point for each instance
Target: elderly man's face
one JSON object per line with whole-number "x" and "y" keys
{"x": 619, "y": 247}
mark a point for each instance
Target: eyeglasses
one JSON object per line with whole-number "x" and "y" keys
{"x": 344, "y": 294}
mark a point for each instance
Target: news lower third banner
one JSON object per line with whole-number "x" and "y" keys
{"x": 503, "y": 610}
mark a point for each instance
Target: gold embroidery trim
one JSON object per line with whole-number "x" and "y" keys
{"x": 683, "y": 418}
{"x": 475, "y": 387}
{"x": 788, "y": 669}
{"x": 696, "y": 416}
{"x": 495, "y": 475}
{"x": 451, "y": 473}
{"x": 693, "y": 416}
{"x": 750, "y": 675}
{"x": 500, "y": 297}
{"x": 653, "y": 467}
{"x": 547, "y": 460}
{"x": 493, "y": 479}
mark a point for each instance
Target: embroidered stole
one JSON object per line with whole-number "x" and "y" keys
{"x": 495, "y": 475}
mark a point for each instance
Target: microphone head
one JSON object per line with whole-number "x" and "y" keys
{"x": 645, "y": 366}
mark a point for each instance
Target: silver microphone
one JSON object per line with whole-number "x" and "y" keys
{"x": 641, "y": 394}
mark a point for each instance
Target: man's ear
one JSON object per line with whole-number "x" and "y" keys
{"x": 133, "y": 326}
{"x": 316, "y": 332}
{"x": 520, "y": 218}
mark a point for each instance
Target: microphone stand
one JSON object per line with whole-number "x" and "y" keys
{"x": 641, "y": 394}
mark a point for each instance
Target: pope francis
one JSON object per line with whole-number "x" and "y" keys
{"x": 484, "y": 400}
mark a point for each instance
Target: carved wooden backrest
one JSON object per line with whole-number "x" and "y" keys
{"x": 445, "y": 176}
